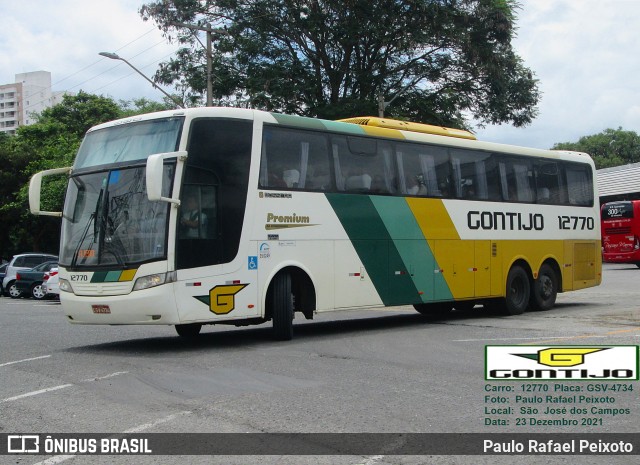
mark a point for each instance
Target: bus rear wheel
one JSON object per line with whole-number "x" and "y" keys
{"x": 188, "y": 330}
{"x": 518, "y": 291}
{"x": 282, "y": 305}
{"x": 545, "y": 289}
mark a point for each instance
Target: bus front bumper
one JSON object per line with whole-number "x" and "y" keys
{"x": 154, "y": 306}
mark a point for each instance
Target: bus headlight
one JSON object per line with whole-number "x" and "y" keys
{"x": 65, "y": 285}
{"x": 153, "y": 280}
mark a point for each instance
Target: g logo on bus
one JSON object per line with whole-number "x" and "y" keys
{"x": 222, "y": 299}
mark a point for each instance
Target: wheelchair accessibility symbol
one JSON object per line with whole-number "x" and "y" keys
{"x": 253, "y": 262}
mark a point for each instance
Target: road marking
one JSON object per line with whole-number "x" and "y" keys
{"x": 552, "y": 339}
{"x": 117, "y": 373}
{"x": 62, "y": 386}
{"x": 371, "y": 460}
{"x": 508, "y": 339}
{"x": 24, "y": 360}
{"x": 56, "y": 459}
{"x": 146, "y": 426}
{"x": 620, "y": 332}
{"x": 35, "y": 393}
{"x": 135, "y": 429}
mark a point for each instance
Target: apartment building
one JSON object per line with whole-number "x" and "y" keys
{"x": 27, "y": 96}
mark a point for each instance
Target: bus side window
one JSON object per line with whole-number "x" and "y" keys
{"x": 517, "y": 180}
{"x": 363, "y": 165}
{"x": 423, "y": 170}
{"x": 294, "y": 159}
{"x": 579, "y": 184}
{"x": 475, "y": 175}
{"x": 548, "y": 183}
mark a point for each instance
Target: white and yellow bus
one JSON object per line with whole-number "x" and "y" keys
{"x": 221, "y": 215}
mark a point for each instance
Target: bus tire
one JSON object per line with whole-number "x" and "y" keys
{"x": 517, "y": 292}
{"x": 189, "y": 330}
{"x": 434, "y": 309}
{"x": 545, "y": 289}
{"x": 282, "y": 305}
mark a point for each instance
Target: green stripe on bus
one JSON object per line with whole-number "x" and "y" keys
{"x": 99, "y": 276}
{"x": 417, "y": 257}
{"x": 375, "y": 247}
{"x": 299, "y": 122}
{"x": 348, "y": 128}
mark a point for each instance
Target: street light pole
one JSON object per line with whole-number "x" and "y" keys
{"x": 210, "y": 31}
{"x": 382, "y": 105}
{"x": 115, "y": 56}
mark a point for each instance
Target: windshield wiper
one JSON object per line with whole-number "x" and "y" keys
{"x": 74, "y": 259}
{"x": 92, "y": 217}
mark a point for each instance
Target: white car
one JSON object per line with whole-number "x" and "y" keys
{"x": 51, "y": 283}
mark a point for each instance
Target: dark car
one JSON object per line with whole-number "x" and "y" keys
{"x": 29, "y": 283}
{"x": 3, "y": 271}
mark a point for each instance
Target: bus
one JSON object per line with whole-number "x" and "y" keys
{"x": 621, "y": 232}
{"x": 237, "y": 216}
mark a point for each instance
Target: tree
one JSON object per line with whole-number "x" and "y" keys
{"x": 51, "y": 142}
{"x": 444, "y": 59}
{"x": 143, "y": 105}
{"x": 611, "y": 147}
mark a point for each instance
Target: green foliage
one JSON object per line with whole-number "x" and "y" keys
{"x": 51, "y": 142}
{"x": 143, "y": 105}
{"x": 332, "y": 58}
{"x": 611, "y": 147}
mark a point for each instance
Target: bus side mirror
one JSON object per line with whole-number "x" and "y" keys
{"x": 155, "y": 167}
{"x": 35, "y": 188}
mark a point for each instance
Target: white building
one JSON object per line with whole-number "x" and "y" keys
{"x": 21, "y": 100}
{"x": 619, "y": 183}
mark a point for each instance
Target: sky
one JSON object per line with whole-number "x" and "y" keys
{"x": 583, "y": 52}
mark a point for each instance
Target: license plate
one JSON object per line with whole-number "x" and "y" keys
{"x": 101, "y": 309}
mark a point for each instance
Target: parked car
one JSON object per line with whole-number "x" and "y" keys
{"x": 51, "y": 283}
{"x": 22, "y": 262}
{"x": 29, "y": 283}
{"x": 3, "y": 271}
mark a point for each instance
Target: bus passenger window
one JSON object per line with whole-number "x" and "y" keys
{"x": 579, "y": 184}
{"x": 364, "y": 165}
{"x": 423, "y": 170}
{"x": 516, "y": 180}
{"x": 294, "y": 159}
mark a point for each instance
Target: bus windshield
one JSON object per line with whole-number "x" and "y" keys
{"x": 129, "y": 142}
{"x": 109, "y": 221}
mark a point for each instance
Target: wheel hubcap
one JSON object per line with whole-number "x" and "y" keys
{"x": 37, "y": 292}
{"x": 546, "y": 287}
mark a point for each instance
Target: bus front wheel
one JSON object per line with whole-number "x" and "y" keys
{"x": 545, "y": 289}
{"x": 188, "y": 330}
{"x": 282, "y": 305}
{"x": 518, "y": 291}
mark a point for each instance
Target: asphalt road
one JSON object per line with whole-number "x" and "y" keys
{"x": 380, "y": 371}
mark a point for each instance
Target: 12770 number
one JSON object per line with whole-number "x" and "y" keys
{"x": 575, "y": 222}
